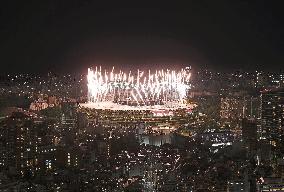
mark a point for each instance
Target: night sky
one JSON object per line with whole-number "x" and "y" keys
{"x": 68, "y": 36}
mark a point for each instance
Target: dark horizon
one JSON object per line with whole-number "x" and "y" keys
{"x": 70, "y": 36}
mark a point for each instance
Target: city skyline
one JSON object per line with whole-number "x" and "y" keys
{"x": 128, "y": 97}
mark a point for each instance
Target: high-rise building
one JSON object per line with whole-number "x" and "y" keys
{"x": 18, "y": 143}
{"x": 261, "y": 79}
{"x": 231, "y": 110}
{"x": 249, "y": 133}
{"x": 272, "y": 116}
{"x": 251, "y": 107}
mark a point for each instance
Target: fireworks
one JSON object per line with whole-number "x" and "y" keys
{"x": 139, "y": 87}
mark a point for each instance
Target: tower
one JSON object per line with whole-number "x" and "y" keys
{"x": 272, "y": 117}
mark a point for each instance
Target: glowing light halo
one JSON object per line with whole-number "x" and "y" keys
{"x": 140, "y": 88}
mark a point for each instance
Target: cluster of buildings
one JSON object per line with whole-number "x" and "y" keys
{"x": 232, "y": 141}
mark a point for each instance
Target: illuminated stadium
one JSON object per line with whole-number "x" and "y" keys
{"x": 160, "y": 92}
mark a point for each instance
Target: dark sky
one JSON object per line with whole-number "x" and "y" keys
{"x": 58, "y": 35}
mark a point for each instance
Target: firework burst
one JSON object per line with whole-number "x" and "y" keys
{"x": 138, "y": 88}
